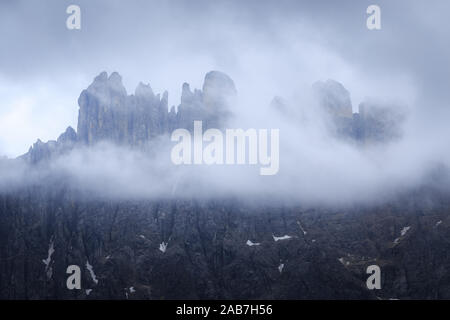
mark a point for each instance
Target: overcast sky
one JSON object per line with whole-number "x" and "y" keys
{"x": 268, "y": 47}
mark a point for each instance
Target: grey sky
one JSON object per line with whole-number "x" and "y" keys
{"x": 267, "y": 47}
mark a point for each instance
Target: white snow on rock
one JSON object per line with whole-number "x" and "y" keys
{"x": 402, "y": 233}
{"x": 438, "y": 223}
{"x": 342, "y": 260}
{"x": 301, "y": 228}
{"x": 91, "y": 271}
{"x": 132, "y": 290}
{"x": 163, "y": 247}
{"x": 48, "y": 268}
{"x": 285, "y": 237}
{"x": 280, "y": 267}
{"x": 250, "y": 244}
{"x": 405, "y": 230}
{"x": 142, "y": 236}
{"x": 88, "y": 291}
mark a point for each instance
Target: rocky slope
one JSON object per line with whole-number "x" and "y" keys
{"x": 218, "y": 249}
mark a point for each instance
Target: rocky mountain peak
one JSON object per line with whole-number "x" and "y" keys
{"x": 68, "y": 136}
{"x": 218, "y": 89}
{"x": 220, "y": 82}
{"x": 144, "y": 91}
{"x": 334, "y": 98}
{"x": 186, "y": 94}
{"x": 103, "y": 86}
{"x": 102, "y": 77}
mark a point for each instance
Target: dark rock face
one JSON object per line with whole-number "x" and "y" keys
{"x": 218, "y": 249}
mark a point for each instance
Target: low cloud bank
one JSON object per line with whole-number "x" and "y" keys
{"x": 316, "y": 166}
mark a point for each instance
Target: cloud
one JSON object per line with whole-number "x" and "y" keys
{"x": 316, "y": 167}
{"x": 269, "y": 48}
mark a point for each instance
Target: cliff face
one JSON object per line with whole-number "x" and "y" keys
{"x": 374, "y": 123}
{"x": 218, "y": 249}
{"x": 108, "y": 113}
{"x": 46, "y": 151}
{"x": 188, "y": 249}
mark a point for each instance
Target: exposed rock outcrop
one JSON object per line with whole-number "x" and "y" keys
{"x": 108, "y": 113}
{"x": 45, "y": 151}
{"x": 334, "y": 98}
{"x": 375, "y": 122}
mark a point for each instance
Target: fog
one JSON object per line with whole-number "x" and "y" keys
{"x": 269, "y": 48}
{"x": 316, "y": 166}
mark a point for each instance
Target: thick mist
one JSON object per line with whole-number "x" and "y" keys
{"x": 269, "y": 48}
{"x": 317, "y": 167}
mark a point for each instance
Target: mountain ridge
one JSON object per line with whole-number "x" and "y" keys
{"x": 108, "y": 113}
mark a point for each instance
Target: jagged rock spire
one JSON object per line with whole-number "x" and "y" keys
{"x": 334, "y": 98}
{"x": 108, "y": 113}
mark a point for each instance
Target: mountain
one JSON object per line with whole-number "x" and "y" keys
{"x": 108, "y": 113}
{"x": 221, "y": 248}
{"x": 374, "y": 123}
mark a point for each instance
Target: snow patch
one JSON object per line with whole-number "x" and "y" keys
{"x": 285, "y": 237}
{"x": 438, "y": 223}
{"x": 250, "y": 244}
{"x": 132, "y": 290}
{"x": 280, "y": 267}
{"x": 88, "y": 291}
{"x": 91, "y": 271}
{"x": 402, "y": 234}
{"x": 405, "y": 230}
{"x": 342, "y": 260}
{"x": 48, "y": 268}
{"x": 301, "y": 228}
{"x": 163, "y": 247}
{"x": 142, "y": 236}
